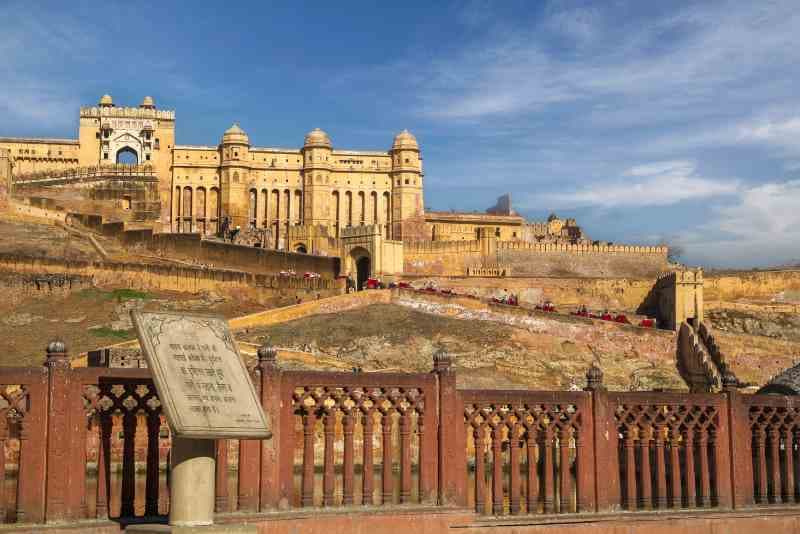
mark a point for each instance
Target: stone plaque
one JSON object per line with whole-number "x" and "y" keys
{"x": 202, "y": 382}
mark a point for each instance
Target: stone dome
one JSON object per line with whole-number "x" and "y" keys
{"x": 317, "y": 137}
{"x": 405, "y": 140}
{"x": 147, "y": 103}
{"x": 236, "y": 135}
{"x": 106, "y": 100}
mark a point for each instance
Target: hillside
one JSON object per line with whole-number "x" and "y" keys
{"x": 487, "y": 354}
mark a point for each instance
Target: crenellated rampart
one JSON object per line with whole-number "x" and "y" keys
{"x": 455, "y": 258}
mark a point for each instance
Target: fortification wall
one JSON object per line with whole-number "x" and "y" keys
{"x": 777, "y": 286}
{"x": 259, "y": 287}
{"x": 240, "y": 257}
{"x": 452, "y": 258}
{"x": 622, "y": 294}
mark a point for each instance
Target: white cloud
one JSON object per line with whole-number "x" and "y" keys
{"x": 761, "y": 228}
{"x": 659, "y": 183}
{"x": 700, "y": 55}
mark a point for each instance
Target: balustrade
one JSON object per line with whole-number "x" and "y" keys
{"x": 392, "y": 439}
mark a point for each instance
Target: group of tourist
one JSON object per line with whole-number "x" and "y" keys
{"x": 507, "y": 298}
{"x": 226, "y": 232}
{"x": 583, "y": 311}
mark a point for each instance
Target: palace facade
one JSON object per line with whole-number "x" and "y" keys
{"x": 274, "y": 190}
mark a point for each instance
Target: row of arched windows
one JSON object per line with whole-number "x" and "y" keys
{"x": 195, "y": 209}
{"x": 348, "y": 209}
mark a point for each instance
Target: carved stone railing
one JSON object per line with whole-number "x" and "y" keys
{"x": 86, "y": 174}
{"x": 389, "y": 440}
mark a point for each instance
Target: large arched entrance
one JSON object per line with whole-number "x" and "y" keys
{"x": 362, "y": 265}
{"x": 362, "y": 269}
{"x": 127, "y": 156}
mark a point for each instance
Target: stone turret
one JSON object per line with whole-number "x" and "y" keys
{"x": 106, "y": 101}
{"x": 407, "y": 199}
{"x": 317, "y": 159}
{"x": 148, "y": 103}
{"x": 235, "y": 154}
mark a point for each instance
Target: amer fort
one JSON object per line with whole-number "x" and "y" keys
{"x": 357, "y": 362}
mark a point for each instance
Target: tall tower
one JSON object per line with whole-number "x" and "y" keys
{"x": 407, "y": 202}
{"x": 316, "y": 178}
{"x": 235, "y": 152}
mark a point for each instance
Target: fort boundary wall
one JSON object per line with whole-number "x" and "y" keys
{"x": 189, "y": 246}
{"x": 454, "y": 258}
{"x": 260, "y": 287}
{"x": 628, "y": 294}
{"x": 775, "y": 286}
{"x": 252, "y": 259}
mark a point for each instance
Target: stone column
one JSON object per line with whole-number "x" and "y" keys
{"x": 192, "y": 477}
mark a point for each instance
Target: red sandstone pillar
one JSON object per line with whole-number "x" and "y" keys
{"x": 601, "y": 448}
{"x": 452, "y": 435}
{"x": 739, "y": 452}
{"x": 58, "y": 430}
{"x": 274, "y": 491}
{"x": 32, "y": 475}
{"x": 249, "y": 471}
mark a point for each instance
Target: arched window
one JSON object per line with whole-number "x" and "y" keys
{"x": 348, "y": 208}
{"x": 362, "y": 208}
{"x": 252, "y": 211}
{"x": 335, "y": 208}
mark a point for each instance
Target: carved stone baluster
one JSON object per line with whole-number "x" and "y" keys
{"x": 676, "y": 499}
{"x": 3, "y": 436}
{"x": 221, "y": 478}
{"x": 386, "y": 467}
{"x": 423, "y": 472}
{"x": 774, "y": 443}
{"x": 646, "y": 499}
{"x": 348, "y": 423}
{"x": 367, "y": 423}
{"x": 480, "y": 469}
{"x": 405, "y": 457}
{"x": 705, "y": 485}
{"x": 533, "y": 476}
{"x": 788, "y": 474}
{"x": 328, "y": 473}
{"x": 497, "y": 470}
{"x": 691, "y": 494}
{"x": 309, "y": 422}
{"x": 564, "y": 472}
{"x": 549, "y": 489}
{"x": 630, "y": 469}
{"x": 793, "y": 491}
{"x": 661, "y": 471}
{"x": 761, "y": 459}
{"x": 151, "y": 482}
{"x": 128, "y": 494}
{"x": 513, "y": 446}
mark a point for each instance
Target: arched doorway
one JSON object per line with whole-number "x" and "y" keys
{"x": 361, "y": 263}
{"x": 362, "y": 270}
{"x": 127, "y": 156}
{"x": 301, "y": 249}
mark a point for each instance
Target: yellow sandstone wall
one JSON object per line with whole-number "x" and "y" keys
{"x": 451, "y": 258}
{"x": 619, "y": 294}
{"x": 753, "y": 285}
{"x": 175, "y": 278}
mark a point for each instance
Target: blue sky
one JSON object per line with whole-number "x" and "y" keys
{"x": 647, "y": 121}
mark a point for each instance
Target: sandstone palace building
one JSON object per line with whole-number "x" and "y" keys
{"x": 125, "y": 164}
